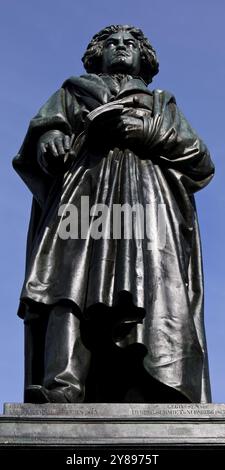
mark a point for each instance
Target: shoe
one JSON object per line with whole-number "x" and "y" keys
{"x": 40, "y": 394}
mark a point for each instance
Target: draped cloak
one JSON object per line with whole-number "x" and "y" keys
{"x": 165, "y": 281}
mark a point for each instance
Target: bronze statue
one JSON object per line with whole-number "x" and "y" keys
{"x": 109, "y": 317}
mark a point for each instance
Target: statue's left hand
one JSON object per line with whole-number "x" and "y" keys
{"x": 130, "y": 128}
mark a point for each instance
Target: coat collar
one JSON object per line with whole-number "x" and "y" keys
{"x": 101, "y": 89}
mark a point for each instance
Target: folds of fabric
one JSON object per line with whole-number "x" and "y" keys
{"x": 163, "y": 277}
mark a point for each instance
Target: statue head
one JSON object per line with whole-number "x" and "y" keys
{"x": 121, "y": 49}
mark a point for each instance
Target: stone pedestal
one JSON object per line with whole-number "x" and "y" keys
{"x": 121, "y": 428}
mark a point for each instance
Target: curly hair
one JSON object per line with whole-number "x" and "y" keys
{"x": 92, "y": 58}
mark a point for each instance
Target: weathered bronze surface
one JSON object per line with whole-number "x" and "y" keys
{"x": 114, "y": 318}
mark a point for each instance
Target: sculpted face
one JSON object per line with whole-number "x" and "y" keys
{"x": 121, "y": 54}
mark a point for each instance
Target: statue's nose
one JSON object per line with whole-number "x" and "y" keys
{"x": 121, "y": 46}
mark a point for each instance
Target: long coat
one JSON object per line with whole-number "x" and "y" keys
{"x": 165, "y": 281}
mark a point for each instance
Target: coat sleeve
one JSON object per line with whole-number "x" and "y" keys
{"x": 175, "y": 145}
{"x": 53, "y": 115}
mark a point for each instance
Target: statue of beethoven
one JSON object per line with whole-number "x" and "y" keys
{"x": 109, "y": 317}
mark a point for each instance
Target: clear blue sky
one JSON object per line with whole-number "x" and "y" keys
{"x": 41, "y": 45}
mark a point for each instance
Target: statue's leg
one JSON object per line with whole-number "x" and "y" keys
{"x": 66, "y": 360}
{"x": 34, "y": 336}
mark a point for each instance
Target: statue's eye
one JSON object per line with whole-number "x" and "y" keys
{"x": 130, "y": 43}
{"x": 110, "y": 43}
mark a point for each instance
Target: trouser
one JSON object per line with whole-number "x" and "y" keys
{"x": 66, "y": 358}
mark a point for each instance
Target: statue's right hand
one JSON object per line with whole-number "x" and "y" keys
{"x": 51, "y": 150}
{"x": 54, "y": 143}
